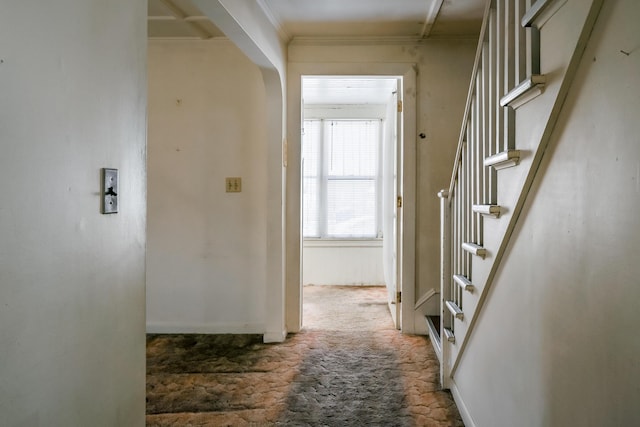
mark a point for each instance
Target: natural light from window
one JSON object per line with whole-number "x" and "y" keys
{"x": 341, "y": 168}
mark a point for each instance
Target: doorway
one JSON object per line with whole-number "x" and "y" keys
{"x": 292, "y": 161}
{"x": 351, "y": 126}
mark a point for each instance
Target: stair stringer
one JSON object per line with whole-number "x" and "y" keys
{"x": 535, "y": 122}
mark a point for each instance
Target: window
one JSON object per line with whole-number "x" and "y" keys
{"x": 341, "y": 178}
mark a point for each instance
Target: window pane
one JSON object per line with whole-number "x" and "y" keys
{"x": 311, "y": 143}
{"x": 351, "y": 208}
{"x": 310, "y": 207}
{"x": 353, "y": 147}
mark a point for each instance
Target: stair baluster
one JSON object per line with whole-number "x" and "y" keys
{"x": 507, "y": 56}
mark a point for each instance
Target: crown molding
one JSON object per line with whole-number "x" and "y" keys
{"x": 374, "y": 40}
{"x": 190, "y": 39}
{"x": 354, "y": 40}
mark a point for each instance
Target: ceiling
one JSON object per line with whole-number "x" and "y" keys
{"x": 345, "y": 90}
{"x": 415, "y": 19}
{"x": 330, "y": 18}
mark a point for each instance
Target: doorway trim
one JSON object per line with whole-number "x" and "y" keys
{"x": 293, "y": 285}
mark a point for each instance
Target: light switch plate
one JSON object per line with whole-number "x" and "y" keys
{"x": 109, "y": 191}
{"x": 233, "y": 184}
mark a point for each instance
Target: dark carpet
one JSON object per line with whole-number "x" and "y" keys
{"x": 348, "y": 368}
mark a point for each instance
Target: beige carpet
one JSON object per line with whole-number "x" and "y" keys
{"x": 348, "y": 367}
{"x": 345, "y": 308}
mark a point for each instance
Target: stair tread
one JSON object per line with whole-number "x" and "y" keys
{"x": 489, "y": 210}
{"x": 455, "y": 309}
{"x": 464, "y": 282}
{"x": 449, "y": 335}
{"x": 474, "y": 249}
{"x": 433, "y": 325}
{"x": 435, "y": 321}
{"x": 530, "y": 85}
{"x": 503, "y": 159}
{"x": 461, "y": 278}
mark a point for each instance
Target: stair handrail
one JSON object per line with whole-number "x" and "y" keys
{"x": 470, "y": 95}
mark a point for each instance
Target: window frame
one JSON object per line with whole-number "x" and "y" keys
{"x": 323, "y": 178}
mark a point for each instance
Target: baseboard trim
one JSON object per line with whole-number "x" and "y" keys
{"x": 462, "y": 408}
{"x": 273, "y": 337}
{"x": 204, "y": 328}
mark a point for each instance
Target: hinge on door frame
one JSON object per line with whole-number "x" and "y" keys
{"x": 398, "y": 297}
{"x": 399, "y": 106}
{"x": 399, "y": 202}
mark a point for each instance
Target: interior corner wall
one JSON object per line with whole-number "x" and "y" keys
{"x": 557, "y": 341}
{"x": 206, "y": 259}
{"x": 72, "y": 296}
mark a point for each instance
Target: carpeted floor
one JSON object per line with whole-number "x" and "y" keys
{"x": 348, "y": 367}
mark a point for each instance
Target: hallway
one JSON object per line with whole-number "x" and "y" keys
{"x": 347, "y": 367}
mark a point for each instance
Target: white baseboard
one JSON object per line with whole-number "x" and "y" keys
{"x": 462, "y": 408}
{"x": 274, "y": 336}
{"x": 420, "y": 324}
{"x": 204, "y": 328}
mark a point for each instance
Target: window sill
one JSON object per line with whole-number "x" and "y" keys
{"x": 342, "y": 243}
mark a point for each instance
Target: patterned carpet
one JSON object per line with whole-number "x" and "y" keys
{"x": 348, "y": 367}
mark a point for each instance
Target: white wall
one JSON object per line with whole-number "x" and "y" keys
{"x": 348, "y": 262}
{"x": 557, "y": 343}
{"x": 245, "y": 23}
{"x": 444, "y": 68}
{"x": 207, "y": 249}
{"x": 73, "y": 84}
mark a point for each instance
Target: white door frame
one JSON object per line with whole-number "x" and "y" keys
{"x": 293, "y": 294}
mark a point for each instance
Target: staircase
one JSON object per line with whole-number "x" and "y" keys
{"x": 497, "y": 158}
